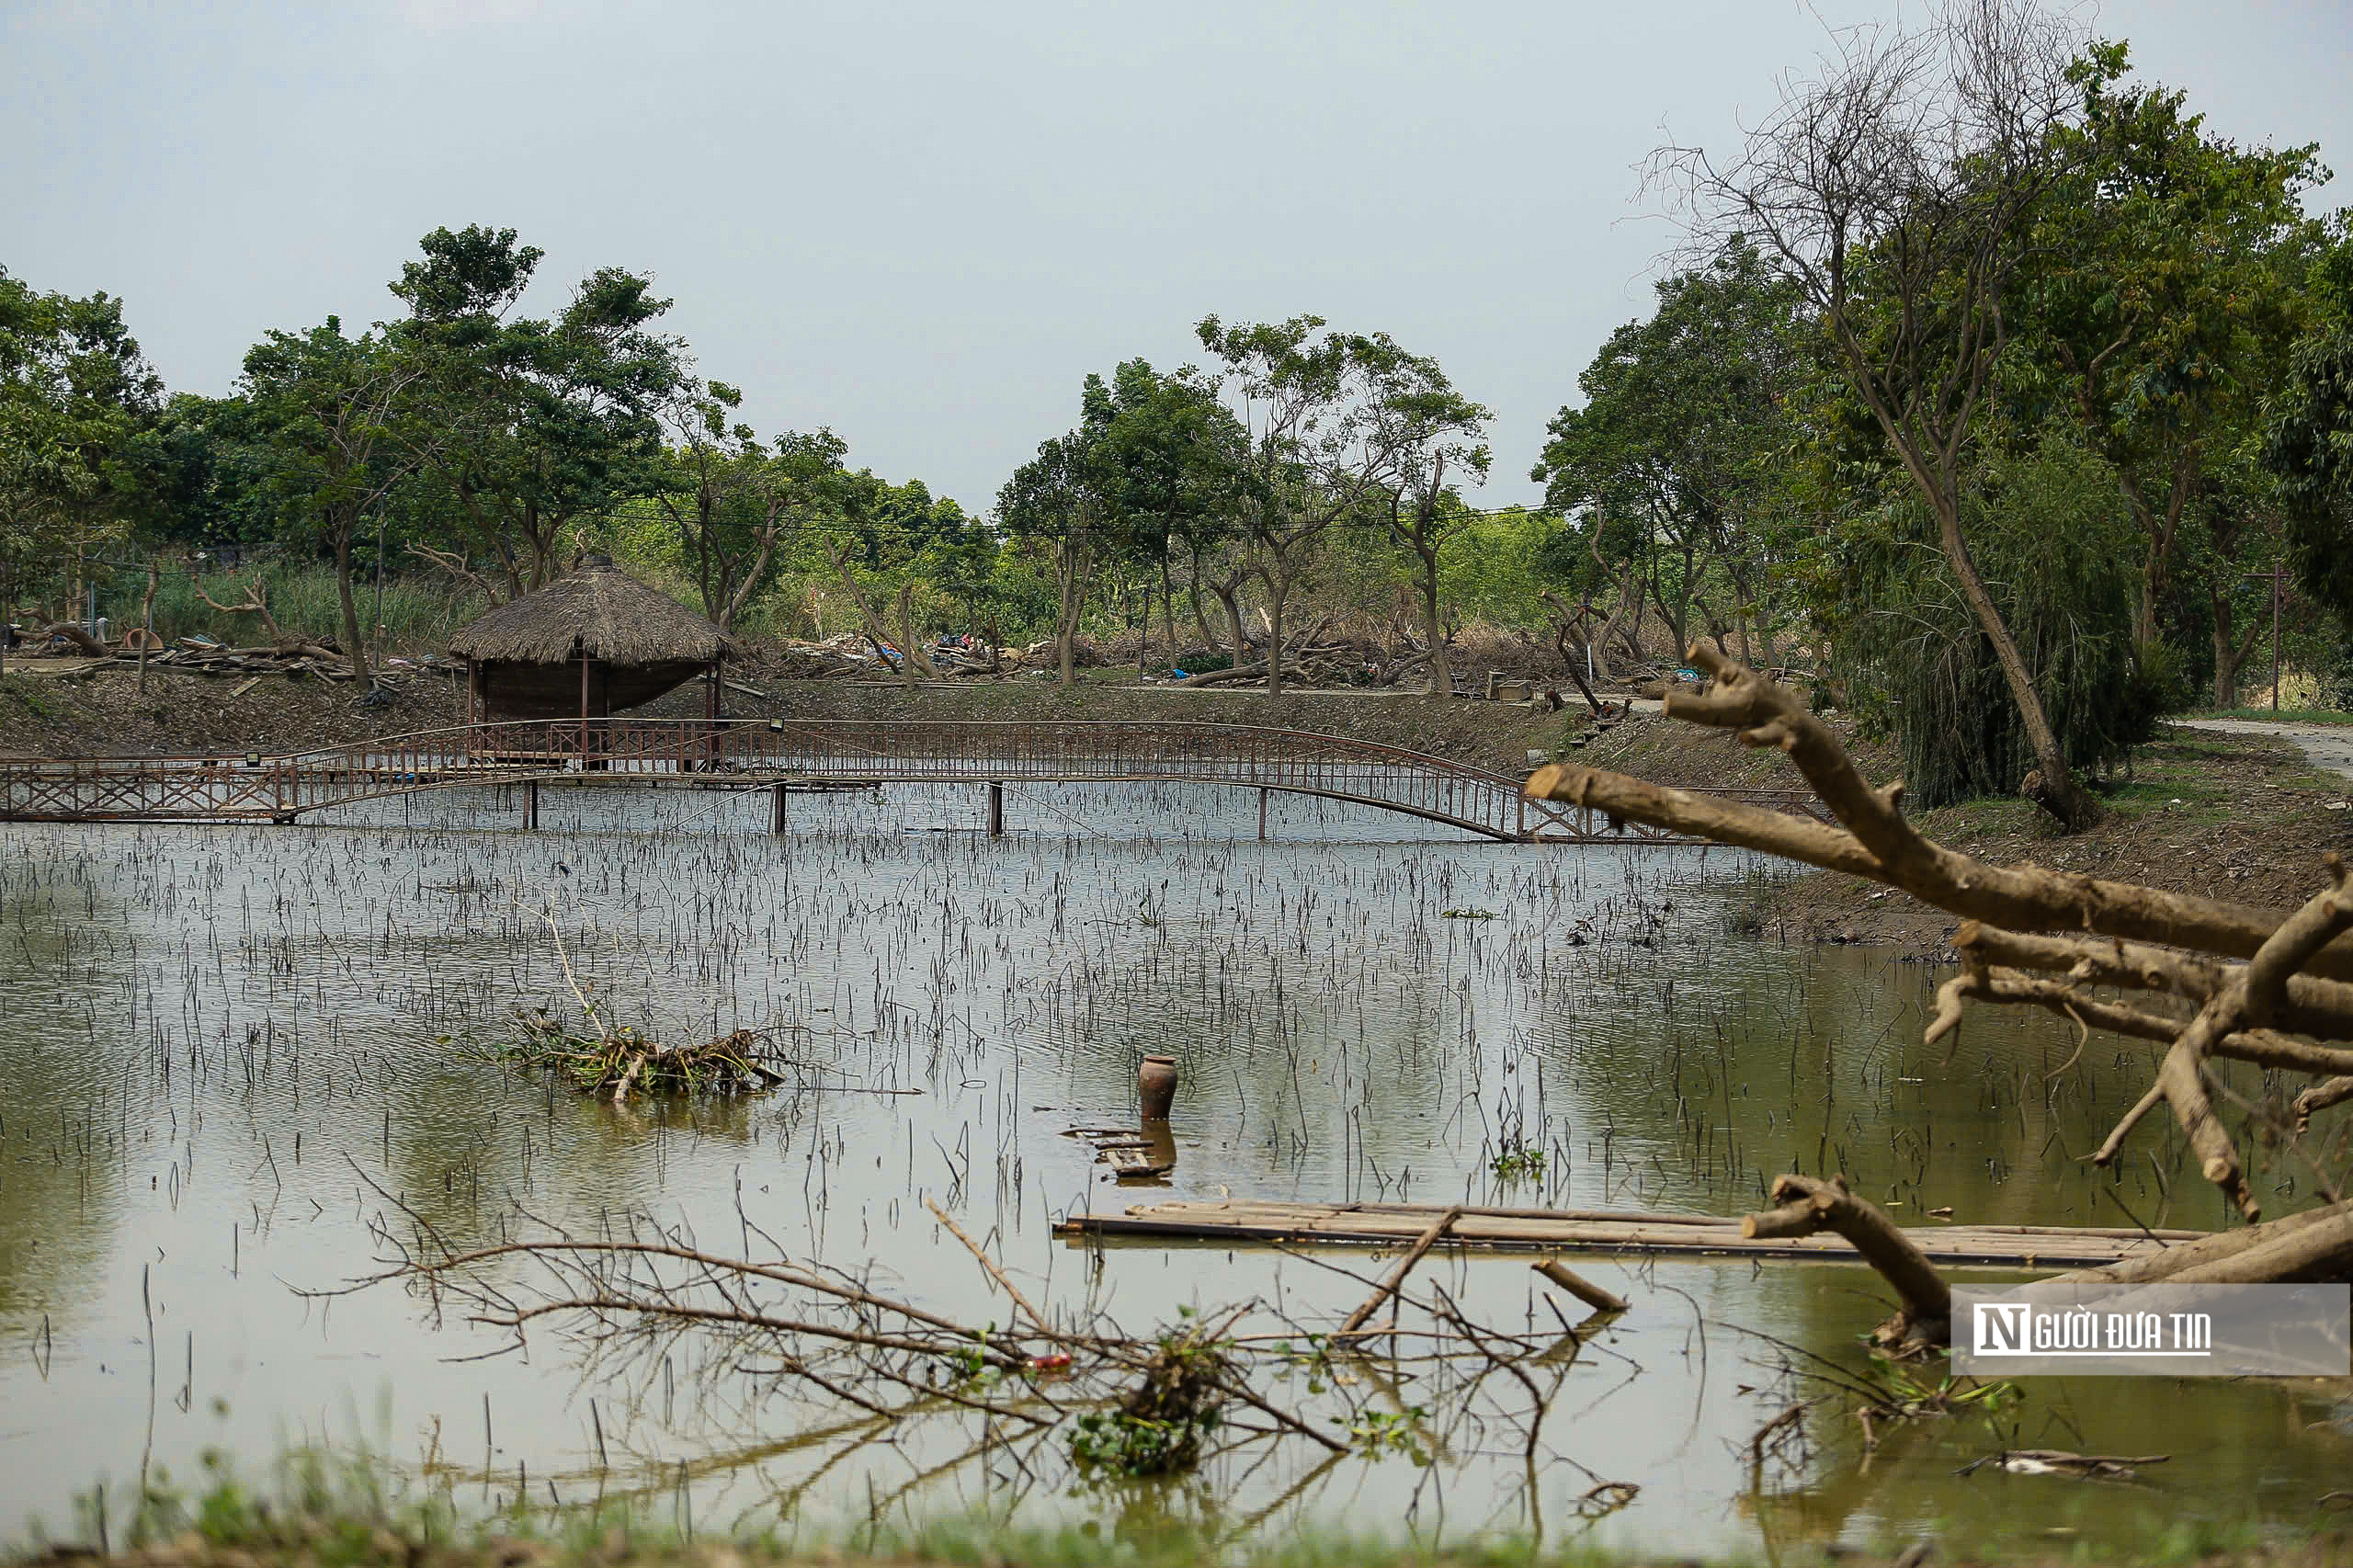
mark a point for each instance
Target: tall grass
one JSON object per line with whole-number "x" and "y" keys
{"x": 419, "y": 613}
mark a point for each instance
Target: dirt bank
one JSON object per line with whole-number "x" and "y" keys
{"x": 2241, "y": 817}
{"x": 104, "y": 714}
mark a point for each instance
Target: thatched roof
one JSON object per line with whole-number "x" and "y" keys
{"x": 599, "y": 610}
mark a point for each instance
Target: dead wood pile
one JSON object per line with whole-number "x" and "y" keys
{"x": 201, "y": 655}
{"x": 852, "y": 655}
{"x": 2202, "y": 979}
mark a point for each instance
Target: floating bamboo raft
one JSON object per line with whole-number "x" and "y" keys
{"x": 1602, "y": 1230}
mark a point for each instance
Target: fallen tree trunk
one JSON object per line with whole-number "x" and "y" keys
{"x": 1880, "y": 843}
{"x": 79, "y": 638}
{"x": 2292, "y": 986}
{"x": 2315, "y": 1246}
{"x": 1244, "y": 672}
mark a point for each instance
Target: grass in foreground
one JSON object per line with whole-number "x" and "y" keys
{"x": 330, "y": 1511}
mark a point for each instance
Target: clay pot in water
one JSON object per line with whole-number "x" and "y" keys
{"x": 1157, "y": 1086}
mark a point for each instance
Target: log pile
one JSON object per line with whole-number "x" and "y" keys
{"x": 2203, "y": 979}
{"x": 201, "y": 655}
{"x": 851, "y": 655}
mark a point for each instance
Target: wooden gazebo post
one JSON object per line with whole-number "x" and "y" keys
{"x": 584, "y": 710}
{"x": 711, "y": 717}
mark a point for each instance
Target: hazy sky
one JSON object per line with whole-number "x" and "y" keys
{"x": 922, "y": 226}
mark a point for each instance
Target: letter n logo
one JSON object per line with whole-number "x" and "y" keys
{"x": 2001, "y": 1328}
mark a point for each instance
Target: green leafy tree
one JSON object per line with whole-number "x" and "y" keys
{"x": 323, "y": 407}
{"x": 1898, "y": 192}
{"x": 2159, "y": 300}
{"x": 1331, "y": 421}
{"x": 1434, "y": 434}
{"x": 1684, "y": 416}
{"x": 734, "y": 500}
{"x": 1060, "y": 505}
{"x": 207, "y": 471}
{"x": 75, "y": 392}
{"x": 529, "y": 426}
{"x": 882, "y": 540}
{"x": 2057, "y": 541}
{"x": 1166, "y": 450}
{"x": 2308, "y": 444}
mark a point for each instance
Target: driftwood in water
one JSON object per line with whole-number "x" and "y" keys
{"x": 1577, "y": 1285}
{"x": 1388, "y": 1288}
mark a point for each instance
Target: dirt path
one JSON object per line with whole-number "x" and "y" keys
{"x": 2327, "y": 746}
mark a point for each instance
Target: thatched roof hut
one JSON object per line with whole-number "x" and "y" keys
{"x": 585, "y": 645}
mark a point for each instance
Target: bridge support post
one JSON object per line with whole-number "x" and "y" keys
{"x": 1262, "y": 814}
{"x": 531, "y": 804}
{"x": 996, "y": 808}
{"x": 776, "y": 807}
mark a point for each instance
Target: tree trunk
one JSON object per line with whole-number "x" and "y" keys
{"x": 2156, "y": 567}
{"x": 1070, "y": 575}
{"x": 1230, "y": 596}
{"x": 1277, "y": 591}
{"x": 2052, "y": 786}
{"x": 1201, "y": 621}
{"x": 353, "y": 649}
{"x": 147, "y": 620}
{"x": 2230, "y": 654}
{"x": 1441, "y": 675}
{"x": 907, "y": 634}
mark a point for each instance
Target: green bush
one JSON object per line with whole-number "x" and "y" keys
{"x": 2059, "y": 554}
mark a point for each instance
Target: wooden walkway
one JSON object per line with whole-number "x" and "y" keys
{"x": 780, "y": 754}
{"x": 1601, "y": 1230}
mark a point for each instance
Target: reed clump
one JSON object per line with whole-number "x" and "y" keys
{"x": 611, "y": 1064}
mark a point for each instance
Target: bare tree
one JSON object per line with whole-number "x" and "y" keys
{"x": 1896, "y": 190}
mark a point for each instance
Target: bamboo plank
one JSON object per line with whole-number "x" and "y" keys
{"x": 1595, "y": 1231}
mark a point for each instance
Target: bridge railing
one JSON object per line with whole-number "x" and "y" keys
{"x": 944, "y": 751}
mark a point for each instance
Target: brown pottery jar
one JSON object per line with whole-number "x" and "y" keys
{"x": 1157, "y": 1086}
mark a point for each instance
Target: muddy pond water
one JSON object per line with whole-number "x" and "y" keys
{"x": 233, "y": 1054}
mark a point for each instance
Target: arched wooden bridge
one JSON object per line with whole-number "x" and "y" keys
{"x": 777, "y": 753}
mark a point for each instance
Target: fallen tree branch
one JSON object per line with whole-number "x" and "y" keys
{"x": 2266, "y": 1048}
{"x": 2308, "y": 1005}
{"x": 1806, "y": 1204}
{"x": 2251, "y": 996}
{"x": 1879, "y": 844}
{"x": 1388, "y": 1287}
